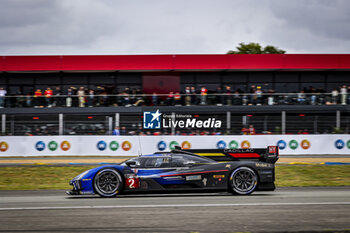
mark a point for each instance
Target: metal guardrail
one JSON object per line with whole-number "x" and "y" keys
{"x": 175, "y": 99}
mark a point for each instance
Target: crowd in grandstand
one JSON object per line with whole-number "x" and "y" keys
{"x": 83, "y": 97}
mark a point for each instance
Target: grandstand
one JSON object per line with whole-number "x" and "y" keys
{"x": 82, "y": 95}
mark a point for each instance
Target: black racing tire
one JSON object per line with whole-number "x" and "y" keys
{"x": 243, "y": 181}
{"x": 108, "y": 182}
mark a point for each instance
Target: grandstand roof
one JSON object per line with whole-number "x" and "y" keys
{"x": 191, "y": 62}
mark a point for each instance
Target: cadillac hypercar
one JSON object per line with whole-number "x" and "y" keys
{"x": 239, "y": 171}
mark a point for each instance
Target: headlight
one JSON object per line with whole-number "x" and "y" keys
{"x": 81, "y": 175}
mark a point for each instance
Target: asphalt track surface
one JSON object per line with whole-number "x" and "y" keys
{"x": 284, "y": 210}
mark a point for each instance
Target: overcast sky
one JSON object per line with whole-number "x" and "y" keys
{"x": 171, "y": 26}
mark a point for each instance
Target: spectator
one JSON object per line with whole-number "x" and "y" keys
{"x": 259, "y": 95}
{"x": 228, "y": 100}
{"x": 28, "y": 100}
{"x": 104, "y": 99}
{"x": 187, "y": 96}
{"x": 154, "y": 99}
{"x": 126, "y": 99}
{"x": 237, "y": 100}
{"x": 177, "y": 99}
{"x": 322, "y": 96}
{"x": 343, "y": 92}
{"x": 81, "y": 97}
{"x": 270, "y": 98}
{"x": 301, "y": 97}
{"x": 194, "y": 95}
{"x": 335, "y": 94}
{"x": 70, "y": 93}
{"x": 48, "y": 94}
{"x": 91, "y": 98}
{"x": 204, "y": 93}
{"x": 57, "y": 100}
{"x": 313, "y": 99}
{"x": 116, "y": 131}
{"x": 123, "y": 131}
{"x": 252, "y": 95}
{"x": 245, "y": 131}
{"x": 245, "y": 100}
{"x": 170, "y": 99}
{"x": 37, "y": 98}
{"x": 3, "y": 93}
{"x": 251, "y": 130}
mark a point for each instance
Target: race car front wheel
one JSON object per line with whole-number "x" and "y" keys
{"x": 108, "y": 182}
{"x": 243, "y": 181}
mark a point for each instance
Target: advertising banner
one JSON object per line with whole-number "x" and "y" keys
{"x": 135, "y": 145}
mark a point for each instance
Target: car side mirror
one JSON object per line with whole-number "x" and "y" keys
{"x": 131, "y": 163}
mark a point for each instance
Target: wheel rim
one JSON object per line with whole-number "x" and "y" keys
{"x": 244, "y": 180}
{"x": 107, "y": 182}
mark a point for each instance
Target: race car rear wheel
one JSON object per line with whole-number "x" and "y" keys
{"x": 243, "y": 181}
{"x": 108, "y": 182}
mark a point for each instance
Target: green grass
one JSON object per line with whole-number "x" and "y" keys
{"x": 312, "y": 175}
{"x": 31, "y": 178}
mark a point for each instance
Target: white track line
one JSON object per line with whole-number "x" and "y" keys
{"x": 170, "y": 206}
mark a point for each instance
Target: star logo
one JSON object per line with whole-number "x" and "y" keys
{"x": 156, "y": 115}
{"x": 152, "y": 120}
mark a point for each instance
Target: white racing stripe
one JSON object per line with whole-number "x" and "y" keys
{"x": 170, "y": 206}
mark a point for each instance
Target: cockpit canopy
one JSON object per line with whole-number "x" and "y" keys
{"x": 168, "y": 160}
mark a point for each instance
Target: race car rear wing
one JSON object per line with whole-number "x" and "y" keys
{"x": 269, "y": 155}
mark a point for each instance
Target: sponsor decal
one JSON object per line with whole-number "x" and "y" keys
{"x": 186, "y": 145}
{"x": 86, "y": 179}
{"x": 65, "y": 145}
{"x": 228, "y": 166}
{"x": 4, "y": 146}
{"x": 40, "y": 146}
{"x": 282, "y": 144}
{"x": 272, "y": 149}
{"x": 151, "y": 120}
{"x": 293, "y": 144}
{"x": 126, "y": 145}
{"x": 347, "y": 144}
{"x": 87, "y": 192}
{"x": 161, "y": 145}
{"x": 305, "y": 144}
{"x": 261, "y": 164}
{"x": 218, "y": 176}
{"x": 52, "y": 145}
{"x": 101, "y": 145}
{"x": 195, "y": 177}
{"x": 172, "y": 145}
{"x": 339, "y": 144}
{"x": 248, "y": 150}
{"x": 245, "y": 144}
{"x": 221, "y": 144}
{"x": 233, "y": 144}
{"x": 157, "y": 120}
{"x": 113, "y": 145}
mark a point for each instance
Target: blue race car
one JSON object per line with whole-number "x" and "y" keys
{"x": 240, "y": 171}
